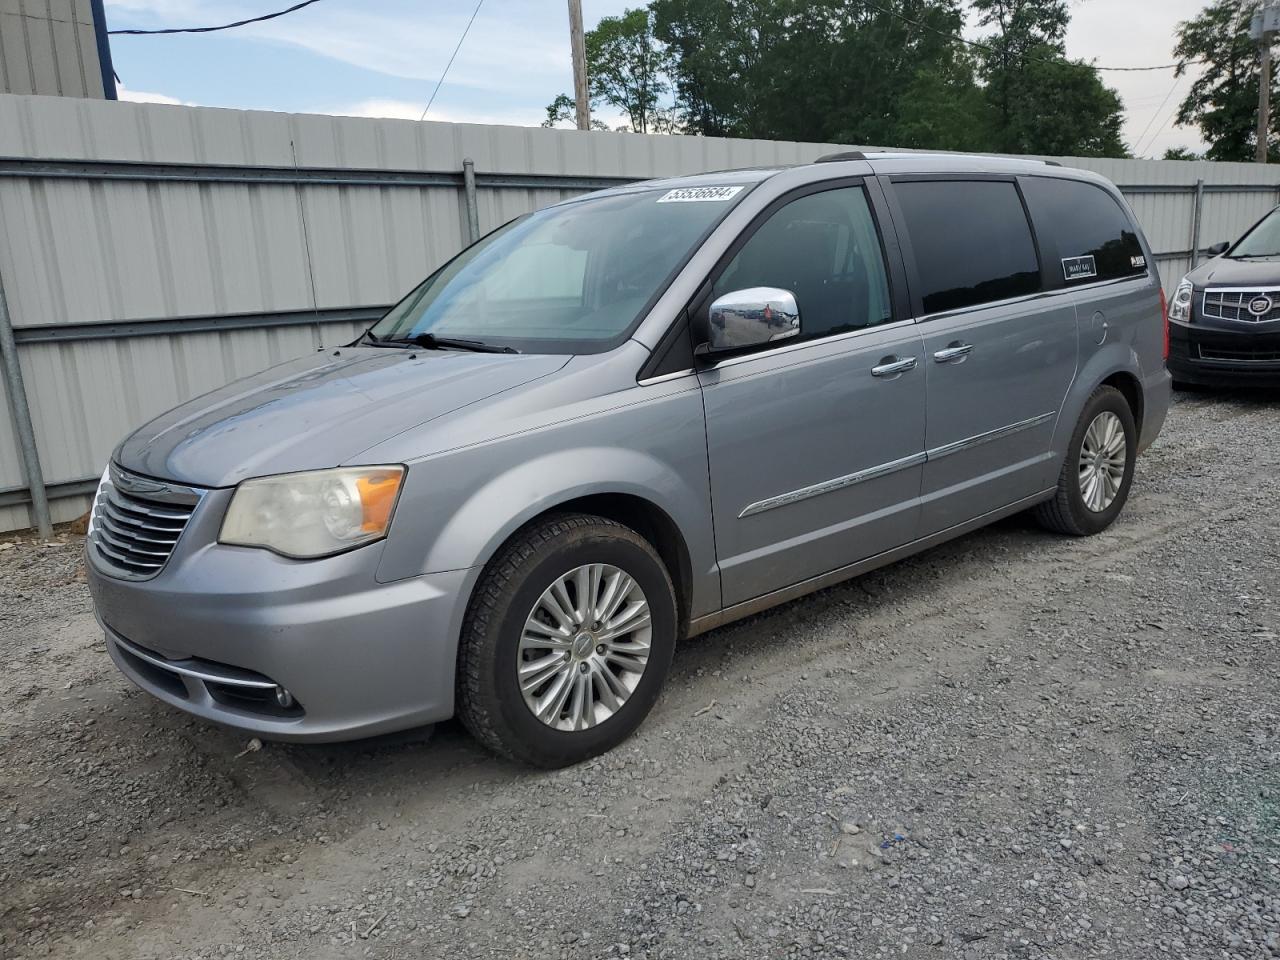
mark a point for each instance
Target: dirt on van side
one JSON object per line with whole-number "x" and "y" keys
{"x": 1016, "y": 745}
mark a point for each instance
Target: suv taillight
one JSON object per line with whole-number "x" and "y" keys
{"x": 1164, "y": 319}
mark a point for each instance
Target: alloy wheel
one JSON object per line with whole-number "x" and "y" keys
{"x": 584, "y": 647}
{"x": 1103, "y": 457}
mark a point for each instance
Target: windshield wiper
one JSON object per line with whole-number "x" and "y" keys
{"x": 1254, "y": 256}
{"x": 430, "y": 341}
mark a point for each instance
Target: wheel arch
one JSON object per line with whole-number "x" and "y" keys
{"x": 640, "y": 514}
{"x": 1131, "y": 387}
{"x": 1114, "y": 365}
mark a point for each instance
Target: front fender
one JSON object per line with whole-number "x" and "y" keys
{"x": 530, "y": 489}
{"x": 458, "y": 508}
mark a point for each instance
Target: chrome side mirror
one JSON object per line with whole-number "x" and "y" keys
{"x": 750, "y": 317}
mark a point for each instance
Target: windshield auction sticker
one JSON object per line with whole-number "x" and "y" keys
{"x": 699, "y": 194}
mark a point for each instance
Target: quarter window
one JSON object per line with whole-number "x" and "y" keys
{"x": 1094, "y": 235}
{"x": 971, "y": 240}
{"x": 824, "y": 249}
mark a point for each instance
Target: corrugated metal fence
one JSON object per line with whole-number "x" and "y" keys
{"x": 51, "y": 47}
{"x": 150, "y": 253}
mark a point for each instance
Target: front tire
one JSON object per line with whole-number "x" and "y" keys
{"x": 567, "y": 641}
{"x": 1095, "y": 479}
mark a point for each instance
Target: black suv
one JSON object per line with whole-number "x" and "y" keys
{"x": 1224, "y": 321}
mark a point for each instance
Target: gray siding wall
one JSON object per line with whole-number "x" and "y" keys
{"x": 48, "y": 47}
{"x": 150, "y": 253}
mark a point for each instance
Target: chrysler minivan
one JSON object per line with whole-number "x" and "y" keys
{"x": 622, "y": 421}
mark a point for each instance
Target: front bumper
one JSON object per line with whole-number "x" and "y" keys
{"x": 219, "y": 628}
{"x": 1212, "y": 357}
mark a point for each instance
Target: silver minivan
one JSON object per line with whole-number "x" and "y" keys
{"x": 624, "y": 420}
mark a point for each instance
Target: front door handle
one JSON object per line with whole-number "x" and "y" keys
{"x": 892, "y": 366}
{"x": 953, "y": 351}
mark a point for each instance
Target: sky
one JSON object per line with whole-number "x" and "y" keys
{"x": 382, "y": 58}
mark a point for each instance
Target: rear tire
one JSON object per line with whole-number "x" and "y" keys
{"x": 536, "y": 633}
{"x": 1094, "y": 483}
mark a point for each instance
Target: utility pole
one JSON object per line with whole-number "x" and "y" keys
{"x": 579, "y": 47}
{"x": 1264, "y": 102}
{"x": 1262, "y": 28}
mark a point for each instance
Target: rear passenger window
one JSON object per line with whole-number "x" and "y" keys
{"x": 972, "y": 242}
{"x": 1095, "y": 237}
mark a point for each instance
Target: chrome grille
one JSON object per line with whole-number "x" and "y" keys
{"x": 1234, "y": 305}
{"x": 136, "y": 522}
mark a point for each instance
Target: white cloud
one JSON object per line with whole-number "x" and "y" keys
{"x": 397, "y": 37}
{"x": 408, "y": 110}
{"x": 142, "y": 96}
{"x": 418, "y": 49}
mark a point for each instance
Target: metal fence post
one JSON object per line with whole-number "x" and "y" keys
{"x": 22, "y": 422}
{"x": 473, "y": 208}
{"x": 1196, "y": 210}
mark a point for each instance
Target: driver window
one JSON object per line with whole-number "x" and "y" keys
{"x": 824, "y": 249}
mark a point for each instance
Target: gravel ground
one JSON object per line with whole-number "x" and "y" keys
{"x": 1015, "y": 745}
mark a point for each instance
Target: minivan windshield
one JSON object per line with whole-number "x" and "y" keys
{"x": 1262, "y": 241}
{"x": 573, "y": 278}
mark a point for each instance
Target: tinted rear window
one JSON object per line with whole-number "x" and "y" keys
{"x": 972, "y": 242}
{"x": 1095, "y": 238}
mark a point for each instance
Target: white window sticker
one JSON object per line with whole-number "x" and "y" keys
{"x": 699, "y": 194}
{"x": 1137, "y": 262}
{"x": 1079, "y": 268}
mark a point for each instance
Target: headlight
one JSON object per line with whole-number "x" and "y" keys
{"x": 313, "y": 514}
{"x": 1180, "y": 306}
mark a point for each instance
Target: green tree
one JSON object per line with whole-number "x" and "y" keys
{"x": 563, "y": 109}
{"x": 883, "y": 73}
{"x": 626, "y": 69}
{"x": 722, "y": 55}
{"x": 626, "y": 66}
{"x": 1182, "y": 153}
{"x": 1044, "y": 102}
{"x": 889, "y": 73}
{"x": 1223, "y": 101}
{"x": 945, "y": 110}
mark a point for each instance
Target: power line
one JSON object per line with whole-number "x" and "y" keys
{"x": 1163, "y": 66}
{"x": 225, "y": 26}
{"x": 989, "y": 49}
{"x": 465, "y": 31}
{"x": 1138, "y": 148}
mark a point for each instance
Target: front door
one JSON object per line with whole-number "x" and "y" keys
{"x": 1000, "y": 349}
{"x": 816, "y": 444}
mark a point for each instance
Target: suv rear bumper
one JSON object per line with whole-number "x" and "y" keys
{"x": 1221, "y": 358}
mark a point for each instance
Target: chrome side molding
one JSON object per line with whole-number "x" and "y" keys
{"x": 830, "y": 486}
{"x": 893, "y": 466}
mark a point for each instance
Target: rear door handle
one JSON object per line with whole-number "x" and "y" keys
{"x": 892, "y": 366}
{"x": 953, "y": 351}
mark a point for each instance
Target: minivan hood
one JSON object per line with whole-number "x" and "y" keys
{"x": 319, "y": 411}
{"x": 1221, "y": 272}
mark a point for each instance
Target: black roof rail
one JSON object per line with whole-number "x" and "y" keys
{"x": 846, "y": 155}
{"x": 1052, "y": 163}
